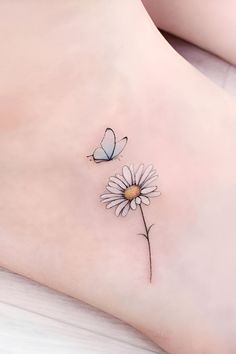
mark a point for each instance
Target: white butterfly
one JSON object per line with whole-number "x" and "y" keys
{"x": 109, "y": 148}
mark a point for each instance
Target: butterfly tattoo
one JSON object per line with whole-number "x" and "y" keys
{"x": 109, "y": 148}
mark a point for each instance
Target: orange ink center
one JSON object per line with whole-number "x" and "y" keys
{"x": 132, "y": 192}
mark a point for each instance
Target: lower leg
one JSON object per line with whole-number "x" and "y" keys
{"x": 209, "y": 24}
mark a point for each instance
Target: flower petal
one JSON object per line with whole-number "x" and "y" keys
{"x": 125, "y": 210}
{"x": 114, "y": 202}
{"x": 127, "y": 175}
{"x": 111, "y": 197}
{"x": 109, "y": 200}
{"x": 115, "y": 185}
{"x": 148, "y": 189}
{"x": 132, "y": 173}
{"x": 138, "y": 200}
{"x": 114, "y": 190}
{"x": 146, "y": 174}
{"x": 118, "y": 181}
{"x": 123, "y": 180}
{"x": 153, "y": 172}
{"x": 148, "y": 181}
{"x": 133, "y": 204}
{"x": 154, "y": 194}
{"x": 138, "y": 174}
{"x": 121, "y": 207}
{"x": 145, "y": 200}
{"x": 108, "y": 195}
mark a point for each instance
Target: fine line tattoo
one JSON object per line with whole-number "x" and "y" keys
{"x": 129, "y": 191}
{"x": 146, "y": 235}
{"x": 109, "y": 148}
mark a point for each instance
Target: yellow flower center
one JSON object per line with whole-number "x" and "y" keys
{"x": 132, "y": 192}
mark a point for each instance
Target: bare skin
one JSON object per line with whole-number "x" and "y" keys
{"x": 210, "y": 25}
{"x": 69, "y": 72}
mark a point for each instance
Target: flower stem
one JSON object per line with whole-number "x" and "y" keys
{"x": 148, "y": 241}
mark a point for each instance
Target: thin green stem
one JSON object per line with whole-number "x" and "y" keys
{"x": 148, "y": 241}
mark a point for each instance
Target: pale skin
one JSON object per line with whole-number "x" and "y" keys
{"x": 71, "y": 69}
{"x": 210, "y": 24}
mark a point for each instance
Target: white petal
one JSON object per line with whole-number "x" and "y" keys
{"x": 133, "y": 204}
{"x": 127, "y": 175}
{"x": 138, "y": 200}
{"x": 118, "y": 181}
{"x": 123, "y": 180}
{"x": 109, "y": 195}
{"x": 109, "y": 199}
{"x": 132, "y": 174}
{"x": 145, "y": 200}
{"x": 152, "y": 173}
{"x": 148, "y": 181}
{"x": 121, "y": 207}
{"x": 112, "y": 197}
{"x": 114, "y": 202}
{"x": 138, "y": 174}
{"x": 148, "y": 189}
{"x": 114, "y": 190}
{"x": 154, "y": 194}
{"x": 125, "y": 210}
{"x": 115, "y": 185}
{"x": 146, "y": 174}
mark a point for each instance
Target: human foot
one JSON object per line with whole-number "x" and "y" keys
{"x": 54, "y": 228}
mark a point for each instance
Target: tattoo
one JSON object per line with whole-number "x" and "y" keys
{"x": 109, "y": 148}
{"x": 130, "y": 191}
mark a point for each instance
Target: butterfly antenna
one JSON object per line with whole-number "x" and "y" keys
{"x": 90, "y": 157}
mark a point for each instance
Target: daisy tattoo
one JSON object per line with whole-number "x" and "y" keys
{"x": 129, "y": 191}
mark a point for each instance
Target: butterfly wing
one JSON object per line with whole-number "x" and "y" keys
{"x": 108, "y": 143}
{"x": 109, "y": 148}
{"x": 99, "y": 155}
{"x": 119, "y": 147}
